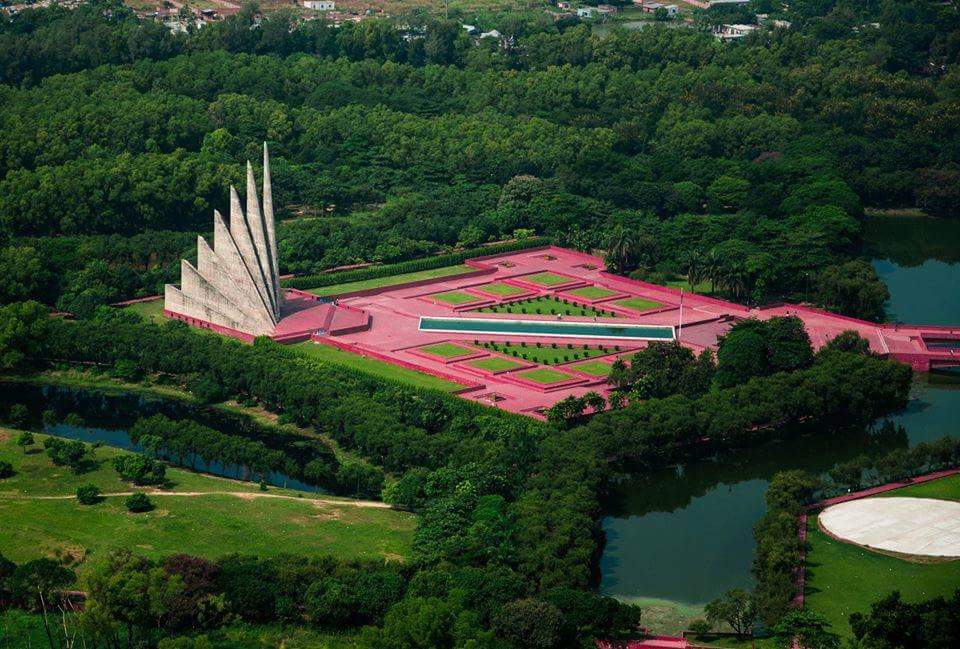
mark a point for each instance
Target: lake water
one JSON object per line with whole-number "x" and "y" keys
{"x": 685, "y": 535}
{"x": 108, "y": 417}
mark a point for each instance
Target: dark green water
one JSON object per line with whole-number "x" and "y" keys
{"x": 108, "y": 417}
{"x": 685, "y": 535}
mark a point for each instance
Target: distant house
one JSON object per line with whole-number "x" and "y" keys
{"x": 563, "y": 5}
{"x": 606, "y": 10}
{"x": 470, "y": 29}
{"x": 733, "y": 32}
{"x": 320, "y": 5}
{"x": 651, "y": 8}
{"x": 585, "y": 12}
{"x": 493, "y": 33}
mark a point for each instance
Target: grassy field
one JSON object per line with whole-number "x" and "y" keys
{"x": 944, "y": 489}
{"x": 151, "y": 311}
{"x": 501, "y": 288}
{"x": 592, "y": 292}
{"x": 494, "y": 364}
{"x": 844, "y": 578}
{"x": 455, "y": 298}
{"x": 544, "y": 375}
{"x": 637, "y": 303}
{"x": 546, "y": 278}
{"x": 392, "y": 280}
{"x": 39, "y": 516}
{"x": 547, "y": 354}
{"x": 373, "y": 366}
{"x": 545, "y": 305}
{"x": 446, "y": 350}
{"x": 593, "y": 368}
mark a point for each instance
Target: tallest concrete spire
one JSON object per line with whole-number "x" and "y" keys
{"x": 268, "y": 221}
{"x": 236, "y": 282}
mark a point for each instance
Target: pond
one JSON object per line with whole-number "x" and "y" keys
{"x": 107, "y": 417}
{"x": 685, "y": 535}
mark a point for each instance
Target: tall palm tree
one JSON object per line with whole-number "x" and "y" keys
{"x": 623, "y": 246}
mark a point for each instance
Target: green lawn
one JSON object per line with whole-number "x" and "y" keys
{"x": 545, "y": 305}
{"x": 592, "y": 292}
{"x": 703, "y": 288}
{"x": 501, "y": 288}
{"x": 455, "y": 298}
{"x": 373, "y": 366}
{"x": 151, "y": 311}
{"x": 546, "y": 354}
{"x": 546, "y": 278}
{"x": 446, "y": 350}
{"x": 217, "y": 520}
{"x": 637, "y": 303}
{"x": 392, "y": 280}
{"x": 593, "y": 368}
{"x": 544, "y": 375}
{"x": 944, "y": 489}
{"x": 494, "y": 364}
{"x": 844, "y": 578}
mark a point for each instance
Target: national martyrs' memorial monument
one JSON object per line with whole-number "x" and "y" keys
{"x": 519, "y": 330}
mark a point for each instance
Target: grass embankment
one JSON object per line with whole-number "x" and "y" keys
{"x": 373, "y": 366}
{"x": 944, "y": 489}
{"x": 844, "y": 578}
{"x": 546, "y": 305}
{"x": 494, "y": 364}
{"x": 455, "y": 298}
{"x": 593, "y": 368}
{"x": 592, "y": 292}
{"x": 637, "y": 303}
{"x": 447, "y": 350}
{"x": 544, "y": 375}
{"x": 548, "y": 279}
{"x": 501, "y": 288}
{"x": 195, "y": 513}
{"x": 151, "y": 311}
{"x": 392, "y": 280}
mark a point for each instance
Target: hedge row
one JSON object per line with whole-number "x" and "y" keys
{"x": 425, "y": 263}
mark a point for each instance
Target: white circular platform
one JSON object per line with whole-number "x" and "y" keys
{"x": 918, "y": 526}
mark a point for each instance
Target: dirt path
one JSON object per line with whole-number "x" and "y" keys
{"x": 243, "y": 495}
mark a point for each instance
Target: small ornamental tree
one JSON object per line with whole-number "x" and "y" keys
{"x": 137, "y": 502}
{"x": 88, "y": 494}
{"x": 19, "y": 415}
{"x": 6, "y": 470}
{"x": 25, "y": 440}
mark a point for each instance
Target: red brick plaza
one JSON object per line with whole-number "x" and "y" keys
{"x": 385, "y": 324}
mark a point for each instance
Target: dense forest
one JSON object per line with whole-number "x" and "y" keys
{"x": 746, "y": 166}
{"x": 754, "y": 161}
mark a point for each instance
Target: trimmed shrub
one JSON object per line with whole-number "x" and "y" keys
{"x": 88, "y": 494}
{"x": 137, "y": 503}
{"x": 6, "y": 470}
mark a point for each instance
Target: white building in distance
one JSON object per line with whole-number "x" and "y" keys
{"x": 319, "y": 5}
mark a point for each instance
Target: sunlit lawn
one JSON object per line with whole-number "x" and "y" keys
{"x": 211, "y": 524}
{"x": 373, "y": 366}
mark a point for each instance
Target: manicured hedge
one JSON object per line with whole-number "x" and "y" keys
{"x": 425, "y": 263}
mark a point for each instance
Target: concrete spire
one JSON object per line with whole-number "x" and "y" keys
{"x": 269, "y": 223}
{"x": 254, "y": 220}
{"x": 235, "y": 283}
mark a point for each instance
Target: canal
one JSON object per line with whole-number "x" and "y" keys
{"x": 680, "y": 537}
